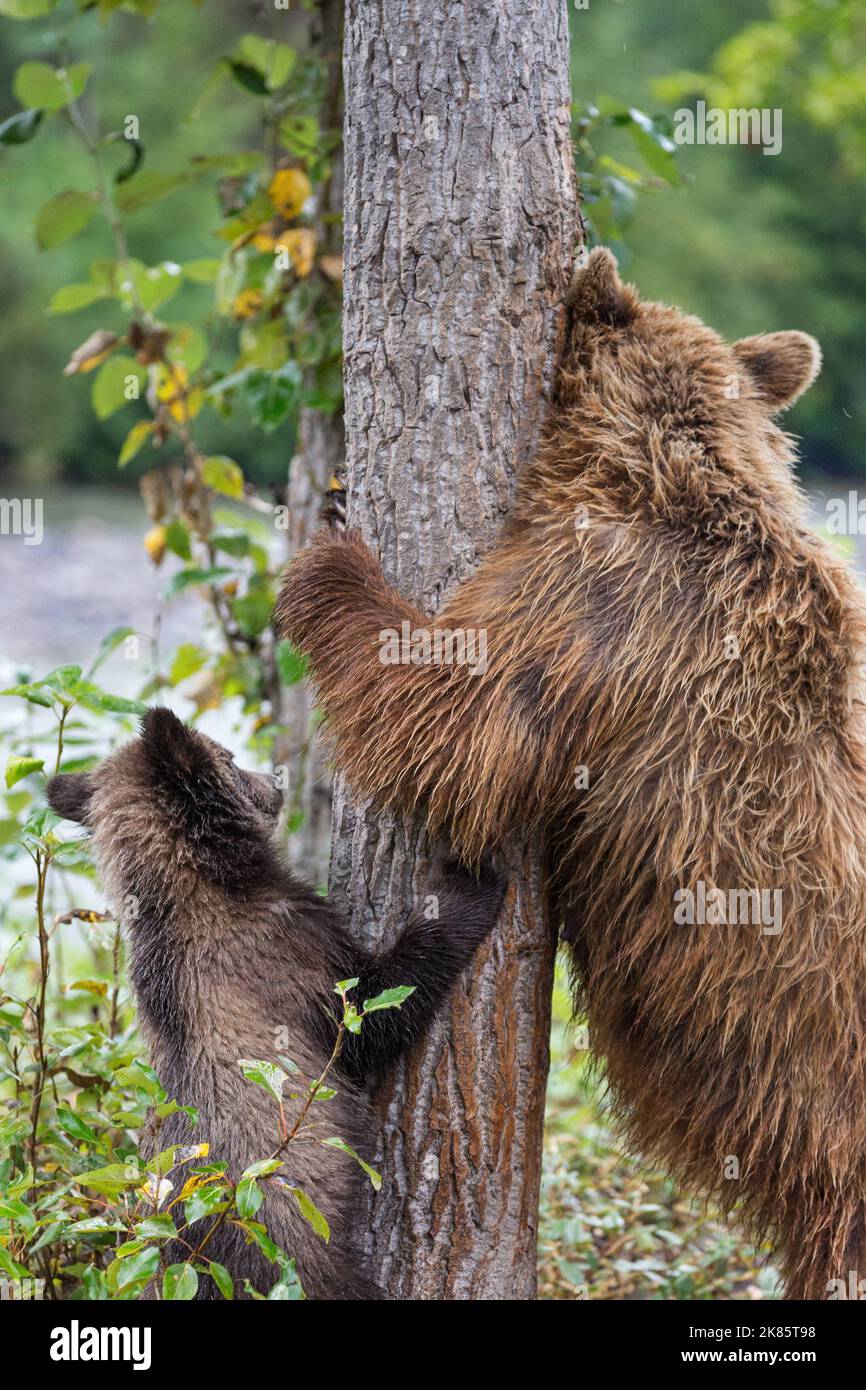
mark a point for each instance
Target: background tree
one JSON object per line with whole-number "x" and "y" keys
{"x": 453, "y": 289}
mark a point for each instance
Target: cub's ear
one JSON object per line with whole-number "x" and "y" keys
{"x": 597, "y": 293}
{"x": 69, "y": 795}
{"x": 173, "y": 748}
{"x": 781, "y": 365}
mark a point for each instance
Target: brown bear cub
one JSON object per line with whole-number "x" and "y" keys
{"x": 673, "y": 690}
{"x": 232, "y": 957}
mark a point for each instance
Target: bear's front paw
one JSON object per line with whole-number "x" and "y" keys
{"x": 313, "y": 584}
{"x": 483, "y": 889}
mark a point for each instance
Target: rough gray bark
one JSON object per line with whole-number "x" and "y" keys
{"x": 320, "y": 453}
{"x": 460, "y": 222}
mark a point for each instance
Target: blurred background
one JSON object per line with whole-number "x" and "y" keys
{"x": 211, "y": 132}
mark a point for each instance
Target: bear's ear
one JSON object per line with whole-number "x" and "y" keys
{"x": 780, "y": 365}
{"x": 597, "y": 293}
{"x": 172, "y": 747}
{"x": 69, "y": 795}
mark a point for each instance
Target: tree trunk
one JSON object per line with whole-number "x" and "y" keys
{"x": 320, "y": 454}
{"x": 460, "y": 221}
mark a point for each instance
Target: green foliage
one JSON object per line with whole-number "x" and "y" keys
{"x": 808, "y": 58}
{"x": 609, "y": 188}
{"x": 256, "y": 337}
{"x": 610, "y": 1226}
{"x": 212, "y": 204}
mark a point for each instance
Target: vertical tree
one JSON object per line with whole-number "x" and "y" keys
{"x": 460, "y": 220}
{"x": 319, "y": 455}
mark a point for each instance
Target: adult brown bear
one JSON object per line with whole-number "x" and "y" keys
{"x": 672, "y": 688}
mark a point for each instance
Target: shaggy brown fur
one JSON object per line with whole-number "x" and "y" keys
{"x": 658, "y": 613}
{"x": 233, "y": 957}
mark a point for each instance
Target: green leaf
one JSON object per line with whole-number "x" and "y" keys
{"x": 16, "y": 768}
{"x": 40, "y": 85}
{"x": 263, "y": 1168}
{"x": 150, "y": 186}
{"x": 291, "y": 664}
{"x": 112, "y": 1179}
{"x": 110, "y": 642}
{"x": 27, "y": 9}
{"x": 288, "y": 1288}
{"x": 221, "y": 1278}
{"x": 185, "y": 579}
{"x": 299, "y": 135}
{"x": 655, "y": 147}
{"x": 71, "y": 297}
{"x": 134, "y": 441}
{"x": 112, "y": 704}
{"x": 389, "y": 999}
{"x": 271, "y": 395}
{"x": 62, "y": 217}
{"x": 11, "y": 1209}
{"x": 248, "y": 77}
{"x": 187, "y": 660}
{"x": 335, "y": 1143}
{"x": 248, "y": 1197}
{"x": 179, "y": 1283}
{"x": 187, "y": 345}
{"x": 275, "y": 61}
{"x": 177, "y": 539}
{"x": 310, "y": 1212}
{"x": 72, "y": 1124}
{"x": 63, "y": 679}
{"x": 138, "y": 1268}
{"x": 252, "y": 612}
{"x": 20, "y": 128}
{"x": 232, "y": 540}
{"x": 206, "y": 1201}
{"x": 119, "y": 380}
{"x": 150, "y": 286}
{"x": 159, "y": 1227}
{"x": 70, "y": 855}
{"x": 94, "y": 1226}
{"x": 343, "y": 986}
{"x": 31, "y": 693}
{"x": 223, "y": 475}
{"x": 202, "y": 271}
{"x": 265, "y": 1074}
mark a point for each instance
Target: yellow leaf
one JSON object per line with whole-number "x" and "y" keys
{"x": 174, "y": 393}
{"x": 247, "y": 303}
{"x": 92, "y": 351}
{"x": 264, "y": 239}
{"x": 289, "y": 189}
{"x": 133, "y": 441}
{"x": 154, "y": 544}
{"x": 300, "y": 242}
{"x": 89, "y": 986}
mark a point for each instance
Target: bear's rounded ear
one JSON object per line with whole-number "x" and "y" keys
{"x": 781, "y": 366}
{"x": 69, "y": 795}
{"x": 168, "y": 742}
{"x": 597, "y": 293}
